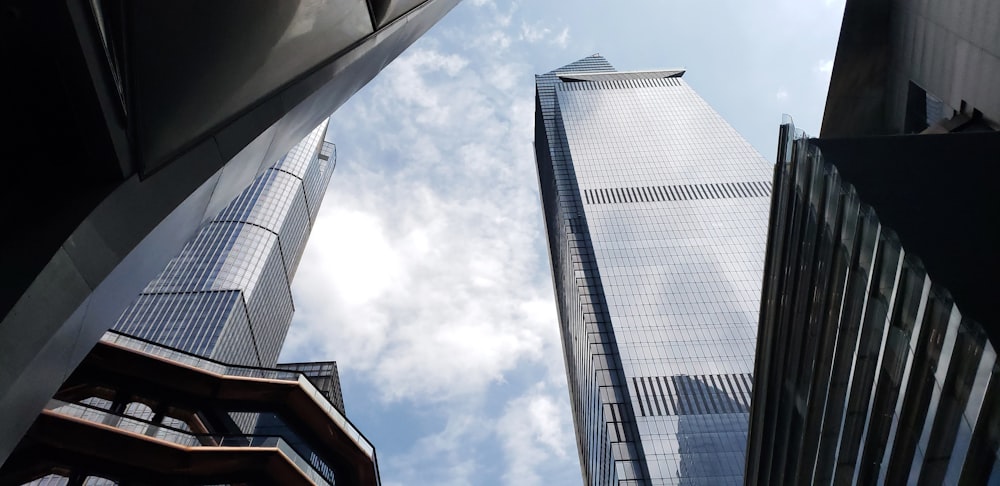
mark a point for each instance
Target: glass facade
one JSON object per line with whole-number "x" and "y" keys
{"x": 656, "y": 216}
{"x": 227, "y": 295}
{"x": 868, "y": 373}
{"x": 324, "y": 375}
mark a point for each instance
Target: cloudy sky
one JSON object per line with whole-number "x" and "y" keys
{"x": 426, "y": 275}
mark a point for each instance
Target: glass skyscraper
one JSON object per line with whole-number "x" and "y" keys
{"x": 227, "y": 295}
{"x": 656, "y": 214}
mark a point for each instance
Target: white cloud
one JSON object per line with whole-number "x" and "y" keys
{"x": 426, "y": 273}
{"x": 562, "y": 40}
{"x": 535, "y": 431}
{"x": 430, "y": 279}
{"x": 425, "y": 276}
{"x": 442, "y": 458}
{"x": 534, "y": 33}
{"x": 824, "y": 66}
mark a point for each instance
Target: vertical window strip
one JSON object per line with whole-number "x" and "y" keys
{"x": 666, "y": 404}
{"x": 682, "y": 406}
{"x": 733, "y": 394}
{"x": 699, "y": 392}
{"x": 719, "y": 395}
{"x": 638, "y": 396}
{"x": 671, "y": 395}
{"x": 744, "y": 388}
{"x": 645, "y": 393}
{"x": 726, "y": 402}
{"x": 656, "y": 402}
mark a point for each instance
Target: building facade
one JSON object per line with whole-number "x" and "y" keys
{"x": 167, "y": 110}
{"x": 227, "y": 296}
{"x": 905, "y": 66}
{"x": 876, "y": 360}
{"x": 656, "y": 218}
{"x": 187, "y": 381}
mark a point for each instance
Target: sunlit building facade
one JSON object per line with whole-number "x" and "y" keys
{"x": 656, "y": 218}
{"x": 227, "y": 295}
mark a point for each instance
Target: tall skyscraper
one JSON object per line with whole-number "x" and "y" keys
{"x": 167, "y": 110}
{"x": 227, "y": 295}
{"x": 656, "y": 217}
{"x": 186, "y": 387}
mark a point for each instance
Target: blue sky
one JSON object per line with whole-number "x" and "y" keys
{"x": 426, "y": 275}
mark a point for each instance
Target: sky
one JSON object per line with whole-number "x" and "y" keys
{"x": 426, "y": 276}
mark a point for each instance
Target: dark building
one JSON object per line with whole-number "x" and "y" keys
{"x": 165, "y": 111}
{"x": 135, "y": 410}
{"x": 324, "y": 375}
{"x": 655, "y": 211}
{"x": 876, "y": 359}
{"x": 903, "y": 66}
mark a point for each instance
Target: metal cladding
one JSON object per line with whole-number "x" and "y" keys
{"x": 165, "y": 111}
{"x": 655, "y": 211}
{"x": 867, "y": 372}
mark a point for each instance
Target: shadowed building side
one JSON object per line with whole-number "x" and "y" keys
{"x": 165, "y": 110}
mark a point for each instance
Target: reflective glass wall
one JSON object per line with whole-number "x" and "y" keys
{"x": 657, "y": 248}
{"x": 227, "y": 295}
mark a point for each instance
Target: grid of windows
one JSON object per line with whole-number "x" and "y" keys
{"x": 664, "y": 218}
{"x": 606, "y": 431}
{"x": 227, "y": 296}
{"x": 324, "y": 375}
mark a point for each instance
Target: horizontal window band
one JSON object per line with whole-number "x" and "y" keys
{"x": 686, "y": 192}
{"x": 692, "y": 394}
{"x": 587, "y": 85}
